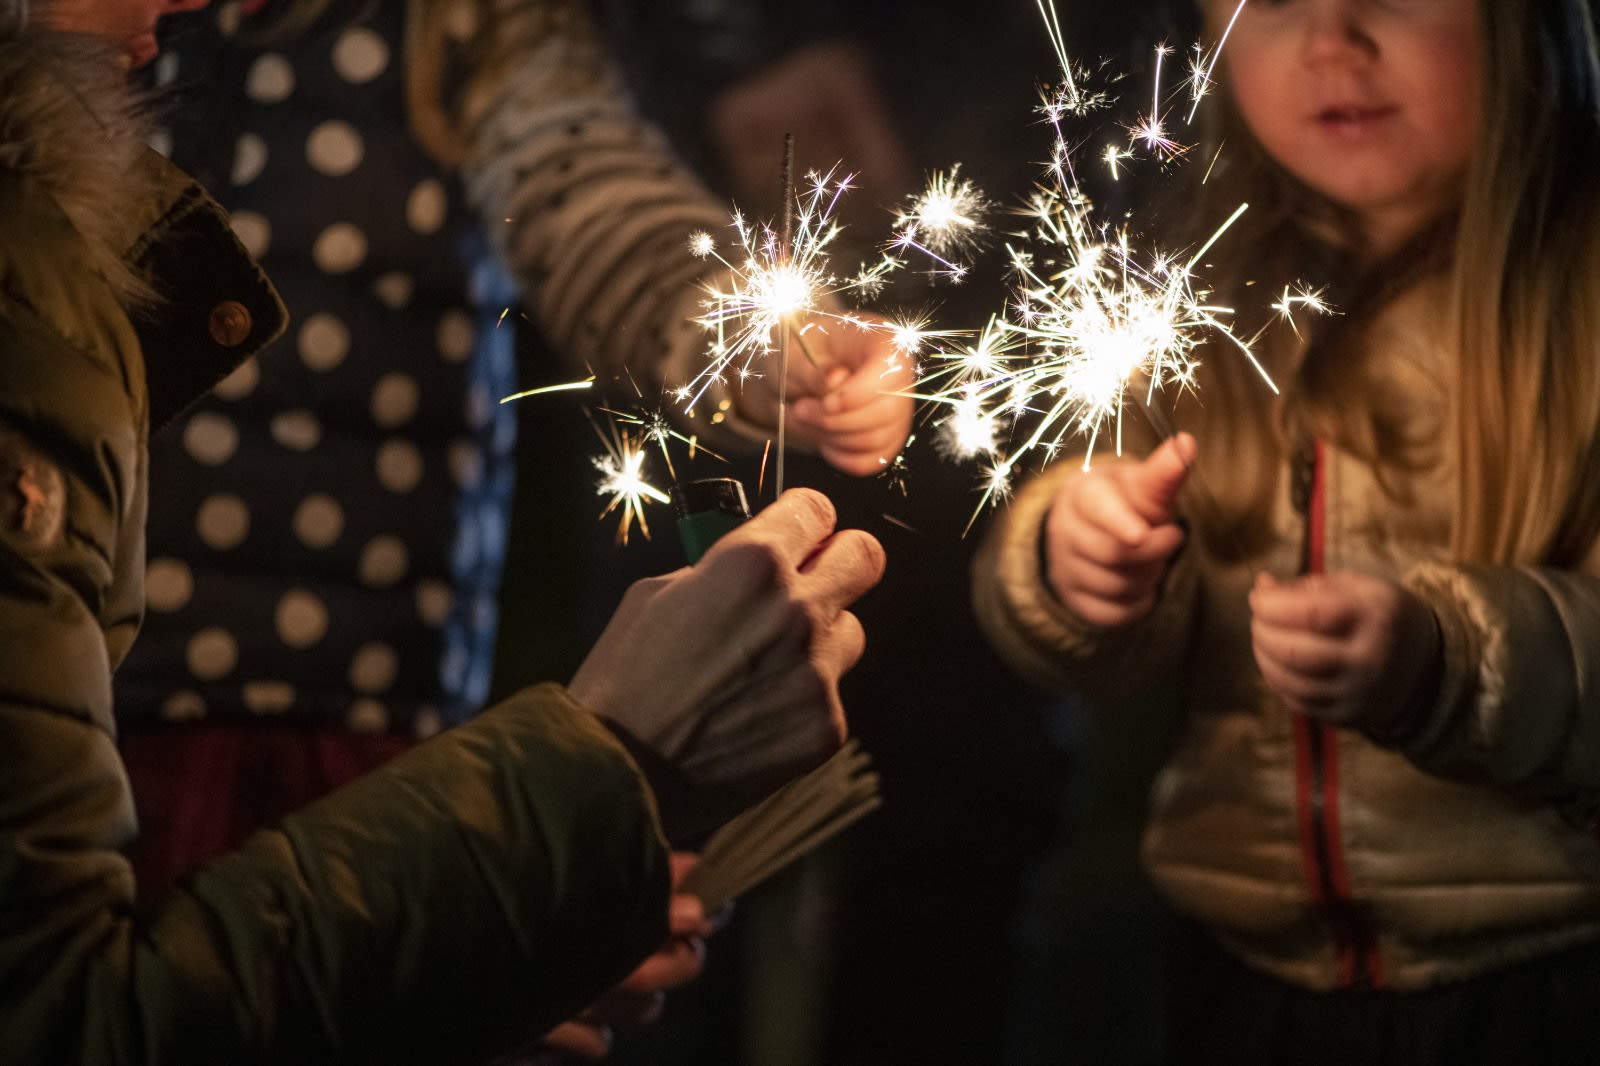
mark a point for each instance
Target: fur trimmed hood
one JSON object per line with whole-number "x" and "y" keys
{"x": 69, "y": 121}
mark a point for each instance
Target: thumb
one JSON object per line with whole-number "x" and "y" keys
{"x": 1161, "y": 476}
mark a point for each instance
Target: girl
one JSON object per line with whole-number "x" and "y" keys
{"x": 1379, "y": 814}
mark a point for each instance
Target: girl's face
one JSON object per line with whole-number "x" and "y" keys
{"x": 1372, "y": 103}
{"x": 132, "y": 23}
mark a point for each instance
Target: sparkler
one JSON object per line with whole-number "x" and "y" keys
{"x": 628, "y": 438}
{"x": 781, "y": 285}
{"x": 946, "y": 219}
{"x": 773, "y": 287}
{"x": 622, "y": 478}
{"x": 1095, "y": 321}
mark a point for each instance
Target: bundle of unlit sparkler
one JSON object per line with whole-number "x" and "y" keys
{"x": 1092, "y": 320}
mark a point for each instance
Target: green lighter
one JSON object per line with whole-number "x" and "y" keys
{"x": 707, "y": 509}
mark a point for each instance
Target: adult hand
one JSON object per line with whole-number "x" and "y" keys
{"x": 1346, "y": 648}
{"x": 1111, "y": 531}
{"x": 852, "y": 404}
{"x": 730, "y": 670}
{"x": 640, "y": 998}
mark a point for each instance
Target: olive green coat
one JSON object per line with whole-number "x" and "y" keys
{"x": 471, "y": 894}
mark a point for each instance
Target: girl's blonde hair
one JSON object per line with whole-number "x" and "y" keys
{"x": 1521, "y": 256}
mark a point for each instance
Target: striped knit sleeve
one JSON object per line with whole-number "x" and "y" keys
{"x": 589, "y": 207}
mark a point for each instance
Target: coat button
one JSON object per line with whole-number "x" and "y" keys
{"x": 230, "y": 323}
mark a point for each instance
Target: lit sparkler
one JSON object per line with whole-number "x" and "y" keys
{"x": 944, "y": 221}
{"x": 1095, "y": 321}
{"x": 774, "y": 287}
{"x": 622, "y": 478}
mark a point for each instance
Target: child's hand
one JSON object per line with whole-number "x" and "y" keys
{"x": 1111, "y": 532}
{"x": 1342, "y": 647}
{"x": 862, "y": 418}
{"x": 851, "y": 405}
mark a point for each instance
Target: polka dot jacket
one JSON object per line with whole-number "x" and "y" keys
{"x": 331, "y": 526}
{"x": 327, "y": 531}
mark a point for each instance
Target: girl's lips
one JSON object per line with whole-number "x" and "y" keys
{"x": 1354, "y": 119}
{"x": 141, "y": 50}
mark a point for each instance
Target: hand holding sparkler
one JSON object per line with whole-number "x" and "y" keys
{"x": 728, "y": 671}
{"x": 1112, "y": 530}
{"x": 853, "y": 406}
{"x": 1352, "y": 650}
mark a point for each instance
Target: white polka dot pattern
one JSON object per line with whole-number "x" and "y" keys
{"x": 426, "y": 206}
{"x": 249, "y": 159}
{"x": 301, "y": 619}
{"x": 318, "y": 521}
{"x": 360, "y": 55}
{"x": 455, "y": 336}
{"x": 359, "y": 423}
{"x": 433, "y": 602}
{"x": 399, "y": 466}
{"x": 394, "y": 400}
{"x": 374, "y": 668}
{"x": 183, "y": 706}
{"x": 394, "y": 289}
{"x": 270, "y": 79}
{"x": 223, "y": 521}
{"x": 268, "y": 697}
{"x": 212, "y": 653}
{"x": 168, "y": 585}
{"x": 296, "y": 430}
{"x": 367, "y": 716}
{"x": 253, "y": 231}
{"x": 339, "y": 249}
{"x": 324, "y": 341}
{"x": 241, "y": 383}
{"x": 383, "y": 562}
{"x": 334, "y": 148}
{"x": 211, "y": 439}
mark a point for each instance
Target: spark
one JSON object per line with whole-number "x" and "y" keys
{"x": 1200, "y": 80}
{"x": 569, "y": 386}
{"x": 773, "y": 286}
{"x": 1115, "y": 156}
{"x": 1151, "y": 129}
{"x": 1301, "y": 297}
{"x": 945, "y": 220}
{"x": 1098, "y": 320}
{"x": 622, "y": 478}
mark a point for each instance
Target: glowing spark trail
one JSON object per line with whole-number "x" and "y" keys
{"x": 622, "y": 479}
{"x": 1095, "y": 321}
{"x": 772, "y": 288}
{"x": 570, "y": 386}
{"x": 947, "y": 219}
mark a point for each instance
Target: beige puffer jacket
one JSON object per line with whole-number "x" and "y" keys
{"x": 1466, "y": 841}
